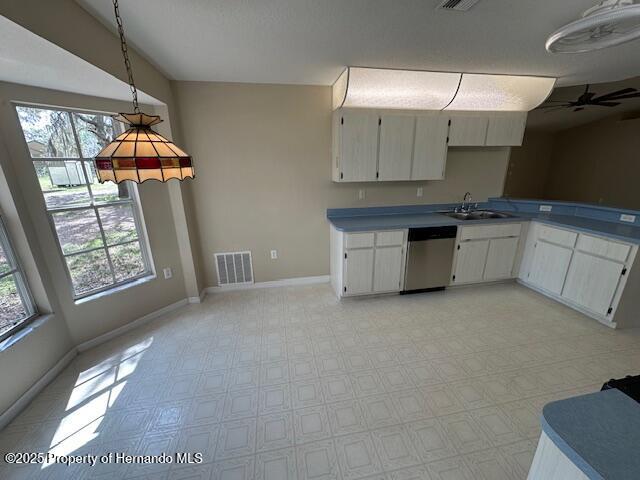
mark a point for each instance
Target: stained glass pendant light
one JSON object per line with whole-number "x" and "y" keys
{"x": 140, "y": 154}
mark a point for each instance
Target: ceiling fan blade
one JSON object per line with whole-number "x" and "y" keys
{"x": 620, "y": 97}
{"x": 605, "y": 104}
{"x": 555, "y": 108}
{"x": 546, "y": 107}
{"x": 609, "y": 96}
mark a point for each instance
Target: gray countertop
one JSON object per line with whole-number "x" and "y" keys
{"x": 598, "y": 432}
{"x": 389, "y": 221}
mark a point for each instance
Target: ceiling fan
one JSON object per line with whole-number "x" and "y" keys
{"x": 591, "y": 99}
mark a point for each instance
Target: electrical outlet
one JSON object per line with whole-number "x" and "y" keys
{"x": 419, "y": 192}
{"x": 361, "y": 194}
{"x": 274, "y": 254}
{"x": 627, "y": 218}
{"x": 168, "y": 273}
{"x": 545, "y": 208}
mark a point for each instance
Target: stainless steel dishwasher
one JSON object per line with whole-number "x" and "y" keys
{"x": 429, "y": 258}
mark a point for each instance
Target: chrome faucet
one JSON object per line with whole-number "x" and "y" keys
{"x": 466, "y": 202}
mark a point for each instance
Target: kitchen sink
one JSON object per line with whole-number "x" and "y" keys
{"x": 476, "y": 215}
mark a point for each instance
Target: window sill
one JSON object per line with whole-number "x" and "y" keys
{"x": 116, "y": 289}
{"x": 23, "y": 332}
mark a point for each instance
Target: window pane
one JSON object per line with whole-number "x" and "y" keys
{"x": 118, "y": 223}
{"x": 89, "y": 271}
{"x": 77, "y": 230}
{"x": 62, "y": 183}
{"x": 127, "y": 260}
{"x": 48, "y": 133}
{"x": 94, "y": 131}
{"x": 108, "y": 191}
{"x": 11, "y": 308}
{"x": 4, "y": 262}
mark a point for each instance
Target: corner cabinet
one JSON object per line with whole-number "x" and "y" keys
{"x": 366, "y": 263}
{"x": 485, "y": 253}
{"x": 587, "y": 272}
{"x": 397, "y": 145}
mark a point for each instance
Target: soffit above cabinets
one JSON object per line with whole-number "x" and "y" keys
{"x": 359, "y": 87}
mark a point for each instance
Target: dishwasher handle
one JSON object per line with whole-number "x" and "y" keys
{"x": 432, "y": 233}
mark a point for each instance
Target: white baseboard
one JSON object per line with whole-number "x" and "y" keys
{"x": 198, "y": 299}
{"x": 285, "y": 282}
{"x": 13, "y": 411}
{"x": 130, "y": 326}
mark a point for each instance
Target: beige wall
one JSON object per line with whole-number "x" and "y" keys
{"x": 88, "y": 319}
{"x": 597, "y": 163}
{"x": 529, "y": 166}
{"x": 263, "y": 181}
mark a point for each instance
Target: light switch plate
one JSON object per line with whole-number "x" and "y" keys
{"x": 545, "y": 208}
{"x": 419, "y": 192}
{"x": 274, "y": 254}
{"x": 361, "y": 194}
{"x": 627, "y": 218}
{"x": 167, "y": 272}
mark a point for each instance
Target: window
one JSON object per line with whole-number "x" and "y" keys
{"x": 98, "y": 226}
{"x": 16, "y": 304}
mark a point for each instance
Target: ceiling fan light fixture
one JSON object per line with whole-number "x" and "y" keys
{"x": 610, "y": 23}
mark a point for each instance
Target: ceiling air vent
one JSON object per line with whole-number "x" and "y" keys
{"x": 234, "y": 268}
{"x": 460, "y": 5}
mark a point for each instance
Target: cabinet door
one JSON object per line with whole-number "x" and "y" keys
{"x": 388, "y": 269}
{"x": 396, "y": 147}
{"x": 500, "y": 258}
{"x": 468, "y": 131}
{"x": 359, "y": 146}
{"x": 358, "y": 275}
{"x": 592, "y": 282}
{"x": 506, "y": 129}
{"x": 471, "y": 257}
{"x": 549, "y": 266}
{"x": 430, "y": 148}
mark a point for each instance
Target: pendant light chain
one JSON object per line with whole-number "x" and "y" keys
{"x": 125, "y": 54}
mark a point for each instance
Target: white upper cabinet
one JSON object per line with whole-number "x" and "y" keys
{"x": 506, "y": 129}
{"x": 468, "y": 131}
{"x": 373, "y": 145}
{"x": 396, "y": 146}
{"x": 357, "y": 146}
{"x": 430, "y": 147}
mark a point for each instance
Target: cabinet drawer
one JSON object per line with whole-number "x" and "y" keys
{"x": 385, "y": 239}
{"x": 359, "y": 240}
{"x": 603, "y": 248}
{"x": 491, "y": 231}
{"x": 557, "y": 236}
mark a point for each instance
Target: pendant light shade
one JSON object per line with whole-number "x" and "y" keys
{"x": 140, "y": 154}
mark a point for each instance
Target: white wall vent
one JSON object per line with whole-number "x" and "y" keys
{"x": 234, "y": 268}
{"x": 461, "y": 5}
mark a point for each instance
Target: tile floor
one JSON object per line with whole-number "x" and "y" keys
{"x": 283, "y": 384}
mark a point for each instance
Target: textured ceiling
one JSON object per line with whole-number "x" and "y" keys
{"x": 310, "y": 41}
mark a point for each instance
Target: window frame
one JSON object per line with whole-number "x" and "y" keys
{"x": 93, "y": 206}
{"x": 20, "y": 280}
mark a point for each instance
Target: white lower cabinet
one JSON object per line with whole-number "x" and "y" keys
{"x": 388, "y": 269}
{"x": 366, "y": 263}
{"x": 358, "y": 268}
{"x": 486, "y": 253}
{"x": 589, "y": 273}
{"x": 592, "y": 282}
{"x": 549, "y": 266}
{"x": 500, "y": 258}
{"x": 471, "y": 257}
